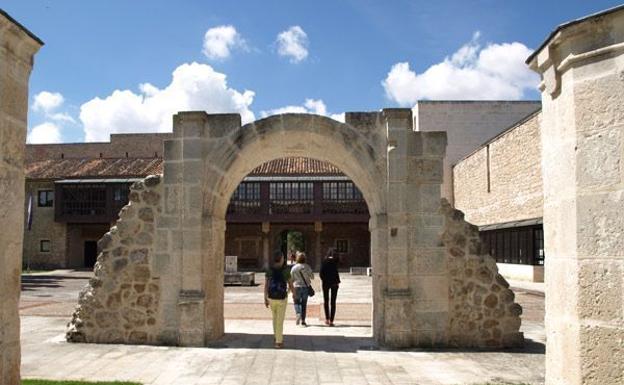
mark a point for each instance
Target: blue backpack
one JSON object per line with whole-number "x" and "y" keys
{"x": 277, "y": 285}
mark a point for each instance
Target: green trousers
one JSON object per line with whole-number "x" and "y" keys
{"x": 278, "y": 310}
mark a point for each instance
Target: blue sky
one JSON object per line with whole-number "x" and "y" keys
{"x": 333, "y": 56}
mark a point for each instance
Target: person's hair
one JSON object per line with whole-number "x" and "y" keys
{"x": 277, "y": 256}
{"x": 301, "y": 257}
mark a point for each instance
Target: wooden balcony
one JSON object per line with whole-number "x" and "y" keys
{"x": 89, "y": 202}
{"x": 311, "y": 206}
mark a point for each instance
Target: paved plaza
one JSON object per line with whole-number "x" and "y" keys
{"x": 345, "y": 354}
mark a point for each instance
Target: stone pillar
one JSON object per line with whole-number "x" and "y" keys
{"x": 318, "y": 229}
{"x": 266, "y": 244}
{"x": 582, "y": 126}
{"x": 17, "y": 49}
{"x": 415, "y": 300}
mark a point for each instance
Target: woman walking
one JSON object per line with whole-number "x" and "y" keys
{"x": 276, "y": 285}
{"x": 331, "y": 280}
{"x": 302, "y": 276}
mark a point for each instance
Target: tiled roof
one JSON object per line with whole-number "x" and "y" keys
{"x": 296, "y": 166}
{"x": 93, "y": 167}
{"x": 141, "y": 167}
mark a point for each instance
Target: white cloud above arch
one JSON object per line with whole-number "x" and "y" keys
{"x": 473, "y": 72}
{"x": 310, "y": 106}
{"x": 293, "y": 43}
{"x": 193, "y": 86}
{"x": 220, "y": 41}
{"x": 46, "y": 132}
{"x": 47, "y": 102}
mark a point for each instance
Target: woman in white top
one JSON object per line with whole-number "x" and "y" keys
{"x": 302, "y": 276}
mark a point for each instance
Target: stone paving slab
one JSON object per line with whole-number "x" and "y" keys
{"x": 313, "y": 355}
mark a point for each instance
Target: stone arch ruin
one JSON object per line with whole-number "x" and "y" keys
{"x": 159, "y": 276}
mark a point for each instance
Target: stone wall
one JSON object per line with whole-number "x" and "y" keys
{"x": 134, "y": 145}
{"x": 43, "y": 227}
{"x": 502, "y": 181}
{"x": 482, "y": 311}
{"x": 17, "y": 49}
{"x": 582, "y": 68}
{"x": 121, "y": 303}
{"x": 468, "y": 124}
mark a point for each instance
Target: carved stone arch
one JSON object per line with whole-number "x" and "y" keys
{"x": 159, "y": 276}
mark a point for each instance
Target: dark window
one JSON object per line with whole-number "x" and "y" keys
{"x": 523, "y": 245}
{"x": 342, "y": 245}
{"x": 46, "y": 198}
{"x": 45, "y": 245}
{"x": 291, "y": 197}
{"x": 84, "y": 199}
{"x": 343, "y": 198}
{"x": 539, "y": 246}
{"x": 246, "y": 199}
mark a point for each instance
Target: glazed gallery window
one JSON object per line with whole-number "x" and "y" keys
{"x": 341, "y": 191}
{"x": 45, "y": 245}
{"x": 247, "y": 191}
{"x": 45, "y": 198}
{"x": 342, "y": 245}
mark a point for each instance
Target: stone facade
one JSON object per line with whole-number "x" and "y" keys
{"x": 121, "y": 303}
{"x": 502, "y": 180}
{"x": 43, "y": 227}
{"x": 468, "y": 124}
{"x": 582, "y": 68}
{"x": 482, "y": 311}
{"x": 176, "y": 252}
{"x": 17, "y": 49}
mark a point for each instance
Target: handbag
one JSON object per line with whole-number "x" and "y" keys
{"x": 311, "y": 291}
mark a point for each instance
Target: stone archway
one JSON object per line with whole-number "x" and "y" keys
{"x": 159, "y": 277}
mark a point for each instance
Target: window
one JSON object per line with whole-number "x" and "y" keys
{"x": 45, "y": 245}
{"x": 520, "y": 245}
{"x": 46, "y": 198}
{"x": 342, "y": 245}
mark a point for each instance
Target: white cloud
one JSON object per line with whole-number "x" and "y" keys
{"x": 44, "y": 133}
{"x": 496, "y": 71}
{"x": 193, "y": 87}
{"x": 293, "y": 43}
{"x": 220, "y": 41}
{"x": 62, "y": 117}
{"x": 47, "y": 102}
{"x": 310, "y": 106}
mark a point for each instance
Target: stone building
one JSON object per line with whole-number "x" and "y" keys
{"x": 75, "y": 191}
{"x": 499, "y": 188}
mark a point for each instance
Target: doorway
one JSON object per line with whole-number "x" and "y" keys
{"x": 90, "y": 253}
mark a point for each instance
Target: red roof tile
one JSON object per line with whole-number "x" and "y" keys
{"x": 141, "y": 167}
{"x": 296, "y": 166}
{"x": 93, "y": 168}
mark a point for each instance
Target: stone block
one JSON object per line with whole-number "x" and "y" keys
{"x": 601, "y": 288}
{"x": 602, "y": 224}
{"x": 192, "y": 149}
{"x": 602, "y": 356}
{"x": 172, "y": 150}
{"x": 220, "y": 125}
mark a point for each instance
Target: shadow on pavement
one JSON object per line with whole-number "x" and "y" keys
{"x": 34, "y": 282}
{"x": 344, "y": 344}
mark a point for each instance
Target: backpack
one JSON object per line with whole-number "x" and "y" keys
{"x": 278, "y": 288}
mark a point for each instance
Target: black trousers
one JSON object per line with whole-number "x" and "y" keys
{"x": 330, "y": 307}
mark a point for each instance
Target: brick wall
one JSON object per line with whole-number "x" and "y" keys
{"x": 515, "y": 177}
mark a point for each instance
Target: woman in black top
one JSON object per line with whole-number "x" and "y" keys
{"x": 331, "y": 280}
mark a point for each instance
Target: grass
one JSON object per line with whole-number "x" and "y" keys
{"x": 48, "y": 382}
